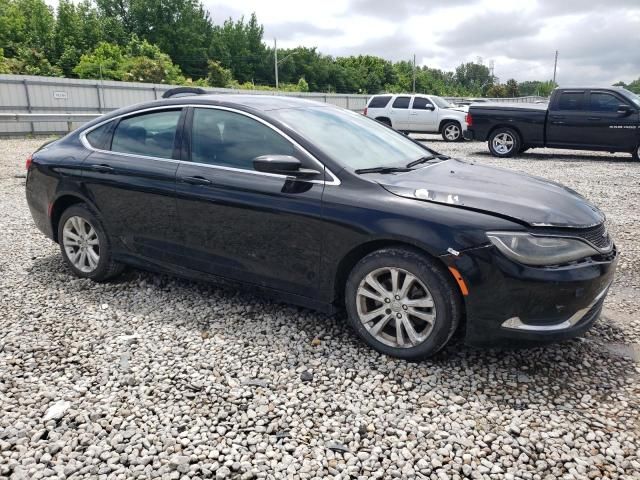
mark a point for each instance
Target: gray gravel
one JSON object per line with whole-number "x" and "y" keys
{"x": 157, "y": 377}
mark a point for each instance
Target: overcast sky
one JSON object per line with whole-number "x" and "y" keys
{"x": 598, "y": 40}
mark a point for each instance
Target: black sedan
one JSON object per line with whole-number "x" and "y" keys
{"x": 322, "y": 207}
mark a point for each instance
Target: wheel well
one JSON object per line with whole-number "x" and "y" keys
{"x": 358, "y": 253}
{"x": 510, "y": 127}
{"x": 447, "y": 120}
{"x": 384, "y": 119}
{"x": 59, "y": 206}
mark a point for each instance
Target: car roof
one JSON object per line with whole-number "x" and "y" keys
{"x": 256, "y": 102}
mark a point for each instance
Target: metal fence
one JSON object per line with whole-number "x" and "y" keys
{"x": 66, "y": 103}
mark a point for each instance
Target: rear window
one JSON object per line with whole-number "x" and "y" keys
{"x": 148, "y": 134}
{"x": 401, "y": 102}
{"x": 571, "y": 101}
{"x": 379, "y": 102}
{"x": 100, "y": 137}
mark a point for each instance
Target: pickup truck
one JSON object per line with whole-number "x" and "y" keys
{"x": 605, "y": 119}
{"x": 419, "y": 114}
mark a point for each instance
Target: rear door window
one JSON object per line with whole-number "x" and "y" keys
{"x": 379, "y": 102}
{"x": 571, "y": 101}
{"x": 150, "y": 134}
{"x": 401, "y": 102}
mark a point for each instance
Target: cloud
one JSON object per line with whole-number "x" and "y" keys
{"x": 490, "y": 27}
{"x": 399, "y": 9}
{"x": 292, "y": 30}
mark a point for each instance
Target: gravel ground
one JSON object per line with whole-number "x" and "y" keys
{"x": 157, "y": 377}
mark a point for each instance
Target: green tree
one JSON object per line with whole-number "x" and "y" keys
{"x": 474, "y": 78}
{"x": 105, "y": 61}
{"x": 512, "y": 88}
{"x": 217, "y": 75}
{"x": 303, "y": 86}
{"x": 31, "y": 61}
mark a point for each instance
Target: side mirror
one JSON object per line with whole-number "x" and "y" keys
{"x": 429, "y": 106}
{"x": 283, "y": 165}
{"x": 624, "y": 109}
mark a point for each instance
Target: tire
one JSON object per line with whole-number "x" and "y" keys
{"x": 80, "y": 230}
{"x": 385, "y": 121}
{"x": 636, "y": 154}
{"x": 452, "y": 132}
{"x": 504, "y": 142}
{"x": 430, "y": 283}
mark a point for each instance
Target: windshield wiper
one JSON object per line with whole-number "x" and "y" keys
{"x": 426, "y": 159}
{"x": 382, "y": 170}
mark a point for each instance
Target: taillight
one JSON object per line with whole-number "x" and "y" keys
{"x": 365, "y": 111}
{"x": 469, "y": 119}
{"x": 28, "y": 163}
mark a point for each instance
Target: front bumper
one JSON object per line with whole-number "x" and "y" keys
{"x": 509, "y": 303}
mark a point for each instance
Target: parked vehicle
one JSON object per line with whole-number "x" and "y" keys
{"x": 325, "y": 208}
{"x": 605, "y": 119}
{"x": 419, "y": 114}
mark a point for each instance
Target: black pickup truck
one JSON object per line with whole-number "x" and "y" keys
{"x": 605, "y": 119}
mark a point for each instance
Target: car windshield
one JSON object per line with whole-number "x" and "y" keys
{"x": 350, "y": 139}
{"x": 634, "y": 97}
{"x": 442, "y": 103}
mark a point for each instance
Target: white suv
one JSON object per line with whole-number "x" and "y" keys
{"x": 419, "y": 114}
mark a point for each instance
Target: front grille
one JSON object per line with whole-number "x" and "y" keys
{"x": 597, "y": 236}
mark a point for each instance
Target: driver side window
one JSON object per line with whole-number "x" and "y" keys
{"x": 229, "y": 139}
{"x": 421, "y": 103}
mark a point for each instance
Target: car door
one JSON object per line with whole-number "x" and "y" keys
{"x": 609, "y": 126}
{"x": 130, "y": 177}
{"x": 243, "y": 224}
{"x": 423, "y": 115}
{"x": 567, "y": 120}
{"x": 399, "y": 112}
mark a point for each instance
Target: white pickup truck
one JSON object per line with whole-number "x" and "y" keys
{"x": 419, "y": 114}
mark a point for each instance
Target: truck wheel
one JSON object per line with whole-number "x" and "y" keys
{"x": 451, "y": 132}
{"x": 504, "y": 142}
{"x": 636, "y": 154}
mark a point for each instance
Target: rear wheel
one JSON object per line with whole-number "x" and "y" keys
{"x": 401, "y": 303}
{"x": 452, "y": 132}
{"x": 85, "y": 246}
{"x": 504, "y": 142}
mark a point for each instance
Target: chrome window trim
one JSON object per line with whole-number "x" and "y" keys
{"x": 334, "y": 179}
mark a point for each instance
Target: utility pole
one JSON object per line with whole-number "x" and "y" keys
{"x": 555, "y": 68}
{"x": 275, "y": 50}
{"x": 414, "y": 73}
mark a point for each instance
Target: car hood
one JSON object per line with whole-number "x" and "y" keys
{"x": 463, "y": 108}
{"x": 524, "y": 198}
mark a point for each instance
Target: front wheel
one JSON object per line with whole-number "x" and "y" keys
{"x": 636, "y": 154}
{"x": 504, "y": 142}
{"x": 402, "y": 304}
{"x": 451, "y": 132}
{"x": 85, "y": 245}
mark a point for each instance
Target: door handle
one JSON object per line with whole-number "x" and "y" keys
{"x": 196, "y": 181}
{"x": 412, "y": 113}
{"x": 102, "y": 168}
{"x": 557, "y": 117}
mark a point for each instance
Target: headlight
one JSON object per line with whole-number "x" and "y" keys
{"x": 532, "y": 250}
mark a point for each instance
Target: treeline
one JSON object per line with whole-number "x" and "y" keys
{"x": 177, "y": 42}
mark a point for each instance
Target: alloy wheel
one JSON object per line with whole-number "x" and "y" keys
{"x": 81, "y": 244}
{"x": 503, "y": 143}
{"x": 395, "y": 307}
{"x": 452, "y": 132}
